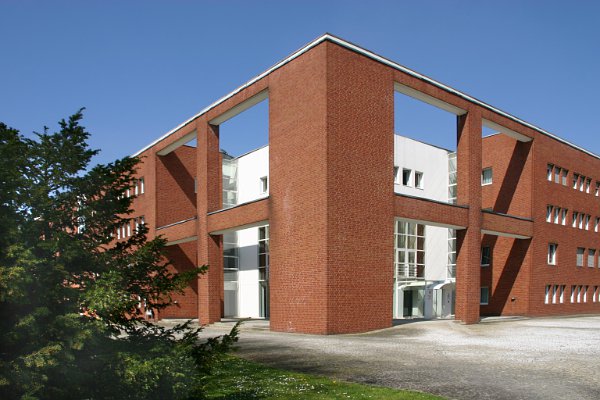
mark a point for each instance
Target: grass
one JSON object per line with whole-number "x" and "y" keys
{"x": 236, "y": 378}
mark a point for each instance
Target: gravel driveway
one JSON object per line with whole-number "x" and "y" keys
{"x": 541, "y": 358}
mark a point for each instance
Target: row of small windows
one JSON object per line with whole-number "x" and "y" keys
{"x": 408, "y": 178}
{"x": 555, "y": 294}
{"x": 125, "y": 231}
{"x": 591, "y": 260}
{"x": 558, "y": 215}
{"x": 137, "y": 189}
{"x": 557, "y": 174}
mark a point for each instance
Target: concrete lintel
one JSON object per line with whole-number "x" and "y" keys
{"x": 510, "y": 235}
{"x": 183, "y": 240}
{"x": 415, "y": 94}
{"x": 178, "y": 143}
{"x": 237, "y": 228}
{"x": 431, "y": 223}
{"x": 509, "y": 132}
{"x": 240, "y": 108}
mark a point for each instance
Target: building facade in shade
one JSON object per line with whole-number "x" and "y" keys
{"x": 340, "y": 225}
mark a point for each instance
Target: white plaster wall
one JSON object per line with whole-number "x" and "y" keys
{"x": 430, "y": 160}
{"x": 248, "y": 273}
{"x": 251, "y": 167}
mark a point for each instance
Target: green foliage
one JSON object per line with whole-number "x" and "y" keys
{"x": 58, "y": 258}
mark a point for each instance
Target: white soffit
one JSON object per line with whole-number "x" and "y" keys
{"x": 375, "y": 57}
{"x": 240, "y": 227}
{"x": 432, "y": 223}
{"x": 178, "y": 143}
{"x": 510, "y": 235}
{"x": 508, "y": 132}
{"x": 415, "y": 94}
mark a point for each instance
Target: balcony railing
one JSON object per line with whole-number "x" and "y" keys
{"x": 407, "y": 271}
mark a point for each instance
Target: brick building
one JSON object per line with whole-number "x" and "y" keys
{"x": 339, "y": 225}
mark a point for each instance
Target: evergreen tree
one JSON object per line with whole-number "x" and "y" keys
{"x": 70, "y": 322}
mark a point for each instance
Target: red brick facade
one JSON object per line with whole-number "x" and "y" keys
{"x": 331, "y": 204}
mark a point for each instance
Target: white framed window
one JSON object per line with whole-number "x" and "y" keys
{"x": 580, "y": 253}
{"x": 595, "y": 294}
{"x": 587, "y": 222}
{"x": 562, "y": 294}
{"x": 584, "y": 293}
{"x": 564, "y": 216}
{"x": 581, "y": 216}
{"x": 549, "y": 170}
{"x": 264, "y": 185}
{"x": 486, "y": 176}
{"x": 549, "y": 209}
{"x": 596, "y": 224}
{"x": 128, "y": 229}
{"x": 557, "y": 171}
{"x": 141, "y": 183}
{"x": 565, "y": 173}
{"x": 486, "y": 256}
{"x": 396, "y": 175}
{"x": 406, "y": 174}
{"x": 573, "y": 290}
{"x": 554, "y": 293}
{"x": 484, "y": 297}
{"x": 575, "y": 217}
{"x": 136, "y": 188}
{"x": 127, "y": 193}
{"x": 575, "y": 181}
{"x": 547, "y": 294}
{"x": 418, "y": 180}
{"x": 591, "y": 258}
{"x": 581, "y": 183}
{"x": 118, "y": 233}
{"x": 557, "y": 212}
{"x": 588, "y": 183}
{"x": 597, "y": 192}
{"x": 579, "y": 293}
{"x": 552, "y": 250}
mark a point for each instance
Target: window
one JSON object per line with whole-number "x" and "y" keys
{"x": 557, "y": 174}
{"x": 573, "y": 290}
{"x": 418, "y": 180}
{"x": 264, "y": 185}
{"x": 549, "y": 213}
{"x": 581, "y": 216}
{"x": 579, "y": 294}
{"x": 554, "y": 293}
{"x": 588, "y": 183}
{"x": 486, "y": 176}
{"x": 591, "y": 258}
{"x": 409, "y": 249}
{"x": 128, "y": 229}
{"x": 564, "y": 216}
{"x": 587, "y": 222}
{"x": 575, "y": 180}
{"x": 547, "y": 294}
{"x": 549, "y": 170}
{"x": 575, "y": 216}
{"x": 485, "y": 296}
{"x": 584, "y": 293}
{"x": 552, "y": 248}
{"x": 557, "y": 211}
{"x": 595, "y": 294}
{"x": 565, "y": 173}
{"x": 486, "y": 256}
{"x": 562, "y": 294}
{"x": 581, "y": 183}
{"x": 118, "y": 233}
{"x": 141, "y": 183}
{"x": 127, "y": 193}
{"x": 580, "y": 253}
{"x": 596, "y": 224}
{"x": 597, "y": 192}
{"x": 397, "y": 175}
{"x": 136, "y": 188}
{"x": 406, "y": 173}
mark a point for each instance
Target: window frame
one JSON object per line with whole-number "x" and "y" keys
{"x": 406, "y": 178}
{"x": 487, "y": 296}
{"x": 483, "y": 176}
{"x": 552, "y": 258}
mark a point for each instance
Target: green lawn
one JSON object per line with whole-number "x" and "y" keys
{"x": 237, "y": 378}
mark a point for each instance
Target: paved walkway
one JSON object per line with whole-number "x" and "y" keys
{"x": 542, "y": 358}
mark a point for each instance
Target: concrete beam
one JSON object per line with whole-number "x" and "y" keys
{"x": 509, "y": 132}
{"x": 240, "y": 108}
{"x": 415, "y": 94}
{"x": 178, "y": 143}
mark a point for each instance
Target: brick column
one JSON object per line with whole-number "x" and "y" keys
{"x": 469, "y": 145}
{"x": 209, "y": 198}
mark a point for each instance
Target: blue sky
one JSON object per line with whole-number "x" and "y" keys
{"x": 142, "y": 67}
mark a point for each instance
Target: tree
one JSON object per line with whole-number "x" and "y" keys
{"x": 70, "y": 322}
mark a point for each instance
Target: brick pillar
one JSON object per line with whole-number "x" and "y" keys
{"x": 468, "y": 261}
{"x": 209, "y": 198}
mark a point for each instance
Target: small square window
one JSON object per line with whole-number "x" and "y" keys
{"x": 549, "y": 170}
{"x": 557, "y": 171}
{"x": 591, "y": 258}
{"x": 486, "y": 176}
{"x": 486, "y": 256}
{"x": 264, "y": 185}
{"x": 565, "y": 173}
{"x": 397, "y": 175}
{"x": 418, "y": 180}
{"x": 406, "y": 173}
{"x": 485, "y": 296}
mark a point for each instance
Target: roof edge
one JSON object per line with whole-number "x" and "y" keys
{"x": 357, "y": 49}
